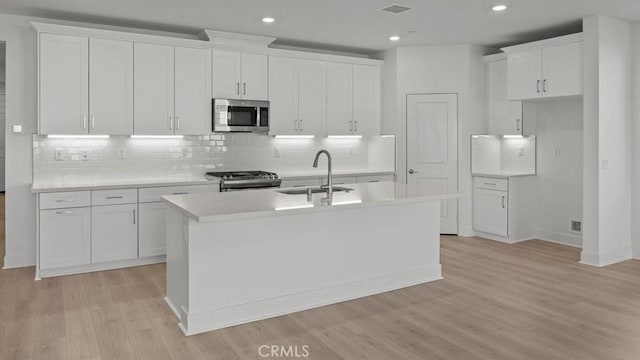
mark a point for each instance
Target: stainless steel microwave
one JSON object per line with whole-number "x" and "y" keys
{"x": 240, "y": 116}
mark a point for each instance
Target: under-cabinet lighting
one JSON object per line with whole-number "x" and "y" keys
{"x": 295, "y": 136}
{"x": 268, "y": 20}
{"x": 394, "y": 38}
{"x": 306, "y": 206}
{"x": 345, "y": 136}
{"x": 480, "y": 136}
{"x": 78, "y": 136}
{"x": 499, "y": 8}
{"x": 157, "y": 136}
{"x": 387, "y": 136}
{"x": 346, "y": 202}
{"x": 512, "y": 136}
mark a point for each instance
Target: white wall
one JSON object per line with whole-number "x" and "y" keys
{"x": 457, "y": 69}
{"x": 635, "y": 143}
{"x": 607, "y": 141}
{"x": 559, "y": 176}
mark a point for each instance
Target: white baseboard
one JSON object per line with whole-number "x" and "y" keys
{"x": 500, "y": 238}
{"x": 12, "y": 262}
{"x": 606, "y": 259}
{"x": 101, "y": 267}
{"x": 568, "y": 239}
{"x": 213, "y": 319}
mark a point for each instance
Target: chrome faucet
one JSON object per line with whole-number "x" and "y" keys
{"x": 329, "y": 185}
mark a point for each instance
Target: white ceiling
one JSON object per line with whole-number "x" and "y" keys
{"x": 349, "y": 25}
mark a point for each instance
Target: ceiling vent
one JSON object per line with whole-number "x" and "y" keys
{"x": 395, "y": 9}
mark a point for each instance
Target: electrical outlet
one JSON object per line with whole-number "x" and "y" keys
{"x": 521, "y": 151}
{"x": 59, "y": 155}
{"x": 605, "y": 164}
{"x": 350, "y": 150}
{"x": 122, "y": 153}
{"x": 84, "y": 155}
{"x": 276, "y": 152}
{"x": 556, "y": 152}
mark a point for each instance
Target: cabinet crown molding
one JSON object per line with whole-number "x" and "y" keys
{"x": 561, "y": 40}
{"x": 224, "y": 38}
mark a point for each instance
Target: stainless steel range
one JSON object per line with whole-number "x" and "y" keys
{"x": 245, "y": 180}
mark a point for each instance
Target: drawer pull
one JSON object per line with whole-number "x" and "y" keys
{"x": 490, "y": 184}
{"x": 503, "y": 206}
{"x": 180, "y": 193}
{"x": 115, "y": 197}
{"x": 68, "y": 212}
{"x": 65, "y": 200}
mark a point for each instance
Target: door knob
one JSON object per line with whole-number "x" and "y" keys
{"x": 411, "y": 171}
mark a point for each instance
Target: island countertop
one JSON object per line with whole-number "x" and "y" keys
{"x": 209, "y": 207}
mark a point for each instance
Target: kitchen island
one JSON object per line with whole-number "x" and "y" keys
{"x": 243, "y": 256}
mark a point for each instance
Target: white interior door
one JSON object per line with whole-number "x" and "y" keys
{"x": 432, "y": 151}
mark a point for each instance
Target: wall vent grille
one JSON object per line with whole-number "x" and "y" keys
{"x": 576, "y": 226}
{"x": 395, "y": 9}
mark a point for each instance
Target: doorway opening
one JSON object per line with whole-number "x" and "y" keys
{"x": 3, "y": 52}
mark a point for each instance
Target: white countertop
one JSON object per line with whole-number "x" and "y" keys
{"x": 301, "y": 174}
{"x": 502, "y": 174}
{"x": 82, "y": 183}
{"x": 258, "y": 203}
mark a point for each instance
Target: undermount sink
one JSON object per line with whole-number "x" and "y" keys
{"x": 314, "y": 190}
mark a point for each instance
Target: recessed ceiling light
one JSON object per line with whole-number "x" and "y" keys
{"x": 268, "y": 20}
{"x": 499, "y": 8}
{"x": 394, "y": 38}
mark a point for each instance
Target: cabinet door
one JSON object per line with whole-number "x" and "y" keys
{"x": 562, "y": 69}
{"x": 490, "y": 211}
{"x": 153, "y": 233}
{"x": 114, "y": 233}
{"x": 193, "y": 91}
{"x": 339, "y": 99}
{"x": 226, "y": 75}
{"x": 283, "y": 96}
{"x": 524, "y": 75}
{"x": 153, "y": 89}
{"x": 64, "y": 84}
{"x": 497, "y": 104}
{"x": 65, "y": 237}
{"x": 255, "y": 77}
{"x": 311, "y": 97}
{"x": 111, "y": 87}
{"x": 366, "y": 100}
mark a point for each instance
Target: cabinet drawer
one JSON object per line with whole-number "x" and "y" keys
{"x": 62, "y": 200}
{"x": 490, "y": 183}
{"x": 114, "y": 197}
{"x": 300, "y": 182}
{"x": 147, "y": 195}
{"x": 375, "y": 178}
{"x": 341, "y": 180}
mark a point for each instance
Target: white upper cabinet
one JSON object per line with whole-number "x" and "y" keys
{"x": 154, "y": 89}
{"x": 296, "y": 96}
{"x": 366, "y": 100}
{"x": 505, "y": 117}
{"x": 64, "y": 84}
{"x": 240, "y": 75}
{"x": 549, "y": 68}
{"x": 227, "y": 74}
{"x": 562, "y": 68}
{"x": 339, "y": 99}
{"x": 110, "y": 87}
{"x": 192, "y": 91}
{"x": 255, "y": 83}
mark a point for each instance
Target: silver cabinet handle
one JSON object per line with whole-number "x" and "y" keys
{"x": 238, "y": 88}
{"x": 244, "y": 88}
{"x": 84, "y": 121}
{"x": 93, "y": 121}
{"x": 411, "y": 171}
{"x": 355, "y": 126}
{"x": 490, "y": 184}
{"x": 177, "y": 122}
{"x": 68, "y": 212}
{"x": 115, "y": 197}
{"x": 295, "y": 125}
{"x": 300, "y": 125}
{"x": 351, "y": 125}
{"x": 134, "y": 217}
{"x": 544, "y": 85}
{"x": 170, "y": 122}
{"x": 503, "y": 198}
{"x": 65, "y": 200}
{"x": 180, "y": 193}
{"x": 518, "y": 124}
{"x": 538, "y": 86}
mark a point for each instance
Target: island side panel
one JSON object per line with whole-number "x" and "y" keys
{"x": 177, "y": 263}
{"x": 251, "y": 269}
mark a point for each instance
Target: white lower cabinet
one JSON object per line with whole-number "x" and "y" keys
{"x": 114, "y": 233}
{"x": 490, "y": 211}
{"x": 152, "y": 234}
{"x": 65, "y": 237}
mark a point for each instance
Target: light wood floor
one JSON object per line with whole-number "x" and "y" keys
{"x": 526, "y": 301}
{"x": 2, "y": 242}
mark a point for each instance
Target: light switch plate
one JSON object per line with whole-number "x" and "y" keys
{"x": 17, "y": 128}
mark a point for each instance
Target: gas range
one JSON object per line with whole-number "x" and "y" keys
{"x": 244, "y": 180}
